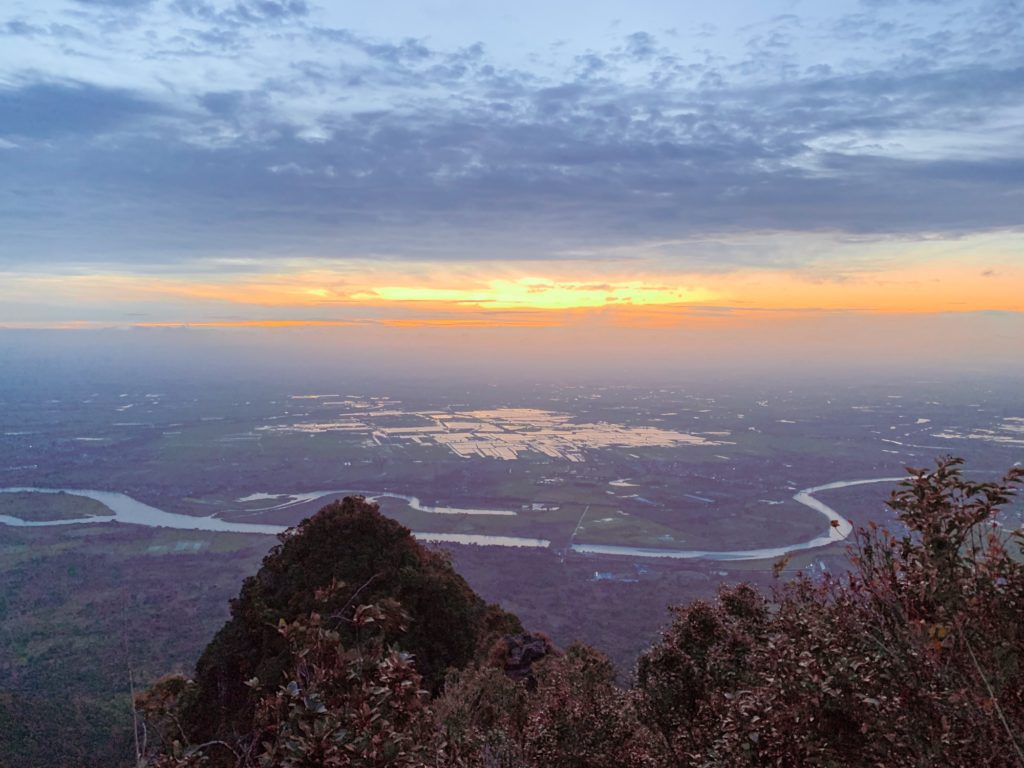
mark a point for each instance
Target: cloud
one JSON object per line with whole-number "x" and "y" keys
{"x": 243, "y": 11}
{"x": 48, "y": 110}
{"x": 641, "y": 45}
{"x": 116, "y": 3}
{"x": 302, "y": 137}
{"x": 21, "y": 28}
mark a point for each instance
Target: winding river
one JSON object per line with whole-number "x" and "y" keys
{"x": 839, "y": 529}
{"x": 412, "y": 501}
{"x": 128, "y": 510}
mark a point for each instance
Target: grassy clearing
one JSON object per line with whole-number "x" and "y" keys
{"x": 38, "y": 507}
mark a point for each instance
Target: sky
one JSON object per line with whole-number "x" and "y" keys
{"x": 798, "y": 173}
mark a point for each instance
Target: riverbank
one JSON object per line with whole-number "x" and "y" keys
{"x": 131, "y": 511}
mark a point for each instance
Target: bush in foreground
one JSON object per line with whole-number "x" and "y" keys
{"x": 913, "y": 658}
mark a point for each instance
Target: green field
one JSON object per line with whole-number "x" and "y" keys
{"x": 49, "y": 506}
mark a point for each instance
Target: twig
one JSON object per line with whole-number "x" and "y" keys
{"x": 995, "y": 701}
{"x": 131, "y": 684}
{"x": 215, "y": 743}
{"x": 340, "y": 613}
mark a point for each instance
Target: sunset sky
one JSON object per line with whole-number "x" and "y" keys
{"x": 463, "y": 164}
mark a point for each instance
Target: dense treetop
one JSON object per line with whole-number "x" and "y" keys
{"x": 345, "y": 556}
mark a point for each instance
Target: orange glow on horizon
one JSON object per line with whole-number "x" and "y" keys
{"x": 542, "y": 293}
{"x": 493, "y": 294}
{"x": 470, "y": 322}
{"x": 249, "y": 324}
{"x": 467, "y": 322}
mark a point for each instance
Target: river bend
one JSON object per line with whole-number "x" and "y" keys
{"x": 125, "y": 509}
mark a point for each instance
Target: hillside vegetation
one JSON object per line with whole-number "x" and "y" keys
{"x": 355, "y": 646}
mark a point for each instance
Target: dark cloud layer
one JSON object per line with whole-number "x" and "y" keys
{"x": 50, "y": 110}
{"x": 247, "y": 12}
{"x": 471, "y": 159}
{"x": 116, "y": 3}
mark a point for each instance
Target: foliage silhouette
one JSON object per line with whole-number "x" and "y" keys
{"x": 915, "y": 657}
